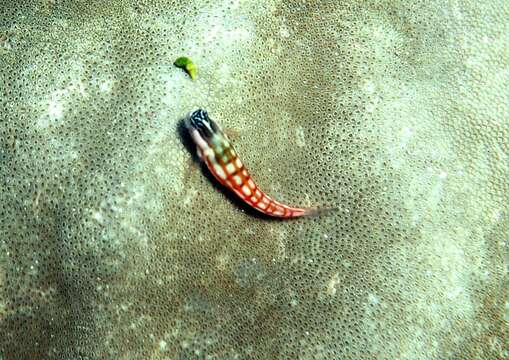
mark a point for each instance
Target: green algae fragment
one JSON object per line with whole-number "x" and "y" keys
{"x": 186, "y": 63}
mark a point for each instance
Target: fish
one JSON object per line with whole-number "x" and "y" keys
{"x": 216, "y": 150}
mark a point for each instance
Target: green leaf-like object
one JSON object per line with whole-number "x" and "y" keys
{"x": 187, "y": 64}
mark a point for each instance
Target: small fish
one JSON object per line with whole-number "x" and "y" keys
{"x": 216, "y": 150}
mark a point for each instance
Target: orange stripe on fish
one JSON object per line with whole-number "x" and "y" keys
{"x": 216, "y": 150}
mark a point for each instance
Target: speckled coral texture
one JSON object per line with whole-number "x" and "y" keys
{"x": 115, "y": 244}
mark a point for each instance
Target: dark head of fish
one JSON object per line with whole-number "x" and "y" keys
{"x": 199, "y": 119}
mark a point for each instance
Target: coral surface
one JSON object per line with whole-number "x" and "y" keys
{"x": 114, "y": 244}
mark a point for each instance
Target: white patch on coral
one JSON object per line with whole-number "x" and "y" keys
{"x": 369, "y": 87}
{"x": 163, "y": 345}
{"x": 105, "y": 86}
{"x": 332, "y": 284}
{"x": 57, "y": 104}
{"x": 55, "y": 109}
{"x": 227, "y": 32}
{"x": 189, "y": 196}
{"x": 284, "y": 32}
{"x": 495, "y": 215}
{"x": 373, "y": 299}
{"x": 98, "y": 216}
{"x": 442, "y": 175}
{"x": 300, "y": 136}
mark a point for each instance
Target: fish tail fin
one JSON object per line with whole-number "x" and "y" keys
{"x": 319, "y": 211}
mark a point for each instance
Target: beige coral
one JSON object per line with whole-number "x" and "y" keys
{"x": 113, "y": 245}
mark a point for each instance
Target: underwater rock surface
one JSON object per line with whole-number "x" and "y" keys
{"x": 114, "y": 245}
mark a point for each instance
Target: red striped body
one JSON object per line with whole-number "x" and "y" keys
{"x": 216, "y": 150}
{"x": 230, "y": 172}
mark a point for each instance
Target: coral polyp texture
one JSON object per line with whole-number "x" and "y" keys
{"x": 114, "y": 245}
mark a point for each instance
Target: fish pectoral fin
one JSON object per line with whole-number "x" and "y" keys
{"x": 199, "y": 153}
